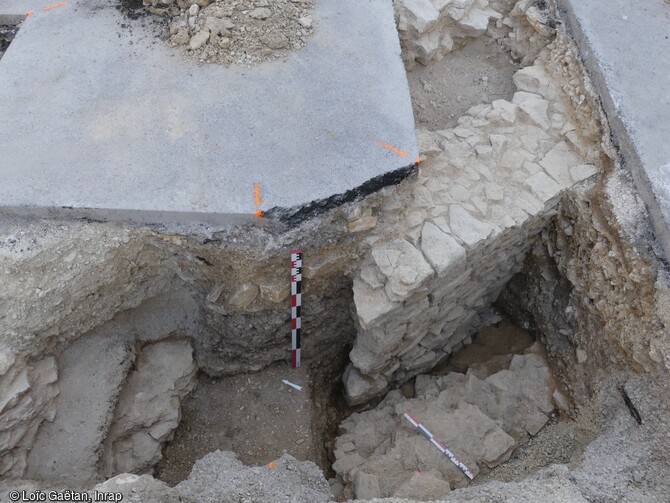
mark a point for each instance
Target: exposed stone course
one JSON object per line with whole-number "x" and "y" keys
{"x": 479, "y": 201}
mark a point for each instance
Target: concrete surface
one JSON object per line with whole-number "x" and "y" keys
{"x": 102, "y": 119}
{"x": 626, "y": 48}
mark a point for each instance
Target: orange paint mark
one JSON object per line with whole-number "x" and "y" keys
{"x": 417, "y": 160}
{"x": 271, "y": 465}
{"x": 54, "y": 6}
{"x": 392, "y": 148}
{"x": 29, "y": 13}
{"x": 257, "y": 196}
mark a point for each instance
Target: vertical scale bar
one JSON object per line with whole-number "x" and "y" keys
{"x": 296, "y": 305}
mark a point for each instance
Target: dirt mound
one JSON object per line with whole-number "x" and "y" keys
{"x": 243, "y": 32}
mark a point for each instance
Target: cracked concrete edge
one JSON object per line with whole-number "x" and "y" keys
{"x": 621, "y": 130}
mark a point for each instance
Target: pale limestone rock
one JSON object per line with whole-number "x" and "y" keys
{"x": 359, "y": 388}
{"x": 543, "y": 186}
{"x": 371, "y": 304}
{"x": 582, "y": 172}
{"x": 93, "y": 369}
{"x": 148, "y": 409}
{"x": 216, "y": 26}
{"x": 458, "y": 8}
{"x": 428, "y": 486}
{"x": 244, "y": 296}
{"x": 366, "y": 486}
{"x": 521, "y": 96}
{"x": 475, "y": 22}
{"x": 260, "y": 13}
{"x": 442, "y": 251}
{"x": 532, "y": 79}
{"x": 426, "y": 46}
{"x": 404, "y": 267}
{"x": 505, "y": 110}
{"x": 466, "y": 227}
{"x": 558, "y": 162}
{"x": 362, "y": 224}
{"x": 199, "y": 39}
{"x": 581, "y": 355}
{"x": 561, "y": 401}
{"x": 494, "y": 192}
{"x": 536, "y": 110}
{"x": 29, "y": 393}
{"x": 429, "y": 145}
{"x": 417, "y": 15}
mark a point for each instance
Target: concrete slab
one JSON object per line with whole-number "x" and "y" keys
{"x": 626, "y": 48}
{"x": 109, "y": 122}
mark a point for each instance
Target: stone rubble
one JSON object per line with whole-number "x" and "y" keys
{"x": 243, "y": 32}
{"x": 485, "y": 189}
{"x": 429, "y": 29}
{"x": 148, "y": 409}
{"x": 29, "y": 391}
{"x": 481, "y": 416}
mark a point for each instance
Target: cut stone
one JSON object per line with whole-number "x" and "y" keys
{"x": 442, "y": 251}
{"x": 558, "y": 162}
{"x": 466, "y": 227}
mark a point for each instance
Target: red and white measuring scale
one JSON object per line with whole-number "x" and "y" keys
{"x": 453, "y": 458}
{"x": 296, "y": 304}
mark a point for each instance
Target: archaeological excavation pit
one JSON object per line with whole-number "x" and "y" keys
{"x": 482, "y": 231}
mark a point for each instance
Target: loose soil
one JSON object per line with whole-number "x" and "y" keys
{"x": 443, "y": 91}
{"x": 256, "y": 416}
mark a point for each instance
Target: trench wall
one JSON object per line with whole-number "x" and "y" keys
{"x": 404, "y": 276}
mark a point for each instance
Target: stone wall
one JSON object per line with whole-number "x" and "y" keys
{"x": 488, "y": 187}
{"x": 405, "y": 276}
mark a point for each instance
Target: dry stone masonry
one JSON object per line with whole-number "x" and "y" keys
{"x": 485, "y": 189}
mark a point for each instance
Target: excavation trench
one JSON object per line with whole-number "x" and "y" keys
{"x": 491, "y": 294}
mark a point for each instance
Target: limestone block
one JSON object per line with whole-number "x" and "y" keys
{"x": 148, "y": 409}
{"x": 505, "y": 110}
{"x": 426, "y": 47}
{"x": 244, "y": 296}
{"x": 359, "y": 388}
{"x": 93, "y": 369}
{"x": 530, "y": 376}
{"x": 31, "y": 390}
{"x": 522, "y": 96}
{"x": 417, "y": 15}
{"x": 371, "y": 303}
{"x": 536, "y": 111}
{"x": 366, "y": 486}
{"x": 457, "y": 8}
{"x": 362, "y": 224}
{"x": 466, "y": 227}
{"x": 582, "y": 172}
{"x": 543, "y": 186}
{"x": 404, "y": 267}
{"x": 533, "y": 79}
{"x": 442, "y": 251}
{"x": 475, "y": 22}
{"x": 428, "y": 145}
{"x": 428, "y": 486}
{"x": 558, "y": 162}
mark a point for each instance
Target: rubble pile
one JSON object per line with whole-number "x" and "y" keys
{"x": 481, "y": 416}
{"x": 429, "y": 29}
{"x": 242, "y": 32}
